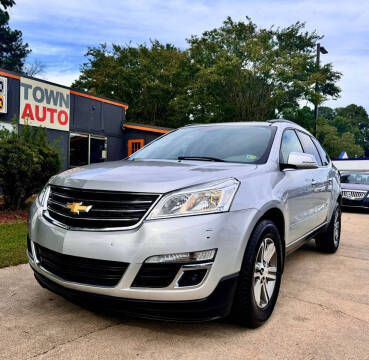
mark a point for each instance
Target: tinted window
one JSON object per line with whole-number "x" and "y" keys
{"x": 232, "y": 143}
{"x": 323, "y": 154}
{"x": 290, "y": 143}
{"x": 98, "y": 148}
{"x": 355, "y": 178}
{"x": 309, "y": 147}
{"x": 78, "y": 150}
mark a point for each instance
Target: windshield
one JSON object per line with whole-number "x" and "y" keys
{"x": 355, "y": 178}
{"x": 230, "y": 143}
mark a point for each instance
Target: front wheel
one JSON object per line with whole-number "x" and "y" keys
{"x": 260, "y": 276}
{"x": 329, "y": 240}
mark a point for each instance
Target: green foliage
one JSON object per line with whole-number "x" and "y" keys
{"x": 13, "y": 51}
{"x": 7, "y": 3}
{"x": 338, "y": 129}
{"x": 303, "y": 116}
{"x": 27, "y": 161}
{"x": 148, "y": 78}
{"x": 238, "y": 72}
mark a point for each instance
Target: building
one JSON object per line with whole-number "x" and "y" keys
{"x": 87, "y": 128}
{"x": 351, "y": 164}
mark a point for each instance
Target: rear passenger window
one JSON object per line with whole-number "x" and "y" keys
{"x": 290, "y": 143}
{"x": 323, "y": 154}
{"x": 309, "y": 147}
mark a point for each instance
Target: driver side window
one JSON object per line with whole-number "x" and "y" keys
{"x": 290, "y": 143}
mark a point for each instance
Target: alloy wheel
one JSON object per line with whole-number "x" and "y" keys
{"x": 336, "y": 229}
{"x": 265, "y": 272}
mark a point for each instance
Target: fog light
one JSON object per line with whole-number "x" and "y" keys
{"x": 183, "y": 258}
{"x": 192, "y": 277}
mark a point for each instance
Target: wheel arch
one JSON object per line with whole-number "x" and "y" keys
{"x": 276, "y": 215}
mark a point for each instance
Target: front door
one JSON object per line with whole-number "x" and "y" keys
{"x": 320, "y": 181}
{"x": 297, "y": 188}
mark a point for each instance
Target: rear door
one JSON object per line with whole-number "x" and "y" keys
{"x": 320, "y": 182}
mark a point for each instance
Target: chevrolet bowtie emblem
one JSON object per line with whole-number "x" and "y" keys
{"x": 76, "y": 207}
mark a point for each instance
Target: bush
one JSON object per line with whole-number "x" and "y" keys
{"x": 27, "y": 161}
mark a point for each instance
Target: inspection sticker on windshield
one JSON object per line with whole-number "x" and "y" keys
{"x": 250, "y": 157}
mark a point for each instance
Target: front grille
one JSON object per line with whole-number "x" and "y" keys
{"x": 353, "y": 194}
{"x": 79, "y": 269}
{"x": 100, "y": 209}
{"x": 156, "y": 275}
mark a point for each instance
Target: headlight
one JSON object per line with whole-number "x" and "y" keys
{"x": 43, "y": 195}
{"x": 203, "y": 199}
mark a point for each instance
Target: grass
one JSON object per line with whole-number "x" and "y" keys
{"x": 13, "y": 244}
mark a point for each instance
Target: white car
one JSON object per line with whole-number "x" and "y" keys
{"x": 194, "y": 226}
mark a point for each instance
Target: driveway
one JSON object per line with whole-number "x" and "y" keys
{"x": 322, "y": 313}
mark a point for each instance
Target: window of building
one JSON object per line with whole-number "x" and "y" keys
{"x": 86, "y": 149}
{"x": 78, "y": 149}
{"x": 134, "y": 145}
{"x": 98, "y": 149}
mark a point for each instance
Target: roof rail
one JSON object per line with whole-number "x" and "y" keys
{"x": 281, "y": 120}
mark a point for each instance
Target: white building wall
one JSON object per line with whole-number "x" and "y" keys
{"x": 356, "y": 165}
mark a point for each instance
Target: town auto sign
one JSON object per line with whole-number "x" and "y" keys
{"x": 44, "y": 105}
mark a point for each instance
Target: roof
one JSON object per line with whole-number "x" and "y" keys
{"x": 234, "y": 123}
{"x": 146, "y": 127}
{"x": 13, "y": 75}
{"x": 276, "y": 122}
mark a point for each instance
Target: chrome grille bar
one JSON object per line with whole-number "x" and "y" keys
{"x": 82, "y": 209}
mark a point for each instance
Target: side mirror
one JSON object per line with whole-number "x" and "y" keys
{"x": 298, "y": 160}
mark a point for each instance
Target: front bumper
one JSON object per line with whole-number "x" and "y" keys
{"x": 227, "y": 232}
{"x": 216, "y": 305}
{"x": 363, "y": 203}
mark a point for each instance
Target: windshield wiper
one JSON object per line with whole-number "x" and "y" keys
{"x": 200, "y": 158}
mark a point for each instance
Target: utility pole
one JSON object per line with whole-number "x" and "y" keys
{"x": 319, "y": 49}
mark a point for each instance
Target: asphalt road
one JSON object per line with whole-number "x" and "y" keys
{"x": 322, "y": 313}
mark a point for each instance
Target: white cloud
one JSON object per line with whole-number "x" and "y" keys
{"x": 65, "y": 78}
{"x": 47, "y": 49}
{"x": 64, "y": 29}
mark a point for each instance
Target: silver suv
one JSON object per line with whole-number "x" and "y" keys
{"x": 194, "y": 226}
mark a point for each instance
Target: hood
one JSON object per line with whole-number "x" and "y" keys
{"x": 345, "y": 186}
{"x": 154, "y": 176}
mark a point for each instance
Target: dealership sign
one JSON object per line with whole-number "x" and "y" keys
{"x": 44, "y": 105}
{"x": 3, "y": 94}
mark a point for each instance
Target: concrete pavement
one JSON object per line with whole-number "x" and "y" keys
{"x": 322, "y": 313}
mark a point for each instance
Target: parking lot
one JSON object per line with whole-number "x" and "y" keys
{"x": 322, "y": 313}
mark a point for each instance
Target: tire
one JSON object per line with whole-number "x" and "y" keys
{"x": 249, "y": 308}
{"x": 329, "y": 240}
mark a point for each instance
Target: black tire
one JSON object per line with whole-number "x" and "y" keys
{"x": 329, "y": 240}
{"x": 246, "y": 311}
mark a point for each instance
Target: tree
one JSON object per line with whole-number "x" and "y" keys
{"x": 278, "y": 61}
{"x": 13, "y": 51}
{"x": 7, "y": 3}
{"x": 335, "y": 132}
{"x": 334, "y": 143}
{"x": 35, "y": 68}
{"x": 303, "y": 116}
{"x": 237, "y": 72}
{"x": 147, "y": 77}
{"x": 359, "y": 118}
{"x": 27, "y": 161}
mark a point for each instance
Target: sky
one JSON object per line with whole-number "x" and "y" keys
{"x": 60, "y": 32}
